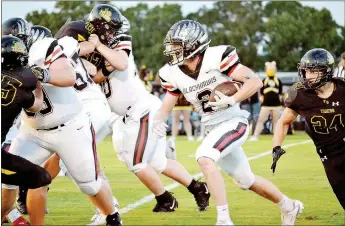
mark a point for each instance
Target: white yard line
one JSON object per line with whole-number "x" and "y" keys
{"x": 149, "y": 198}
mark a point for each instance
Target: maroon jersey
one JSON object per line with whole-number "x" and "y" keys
{"x": 324, "y": 117}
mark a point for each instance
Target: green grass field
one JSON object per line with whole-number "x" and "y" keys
{"x": 299, "y": 175}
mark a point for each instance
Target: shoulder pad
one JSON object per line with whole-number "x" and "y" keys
{"x": 70, "y": 45}
{"x": 43, "y": 52}
{"x": 291, "y": 96}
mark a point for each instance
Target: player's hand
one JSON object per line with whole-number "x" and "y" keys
{"x": 41, "y": 74}
{"x": 90, "y": 68}
{"x": 95, "y": 40}
{"x": 222, "y": 101}
{"x": 277, "y": 152}
{"x": 159, "y": 128}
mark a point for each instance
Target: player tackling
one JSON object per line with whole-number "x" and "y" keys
{"x": 319, "y": 98}
{"x": 195, "y": 69}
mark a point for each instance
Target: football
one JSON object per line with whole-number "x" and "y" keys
{"x": 227, "y": 88}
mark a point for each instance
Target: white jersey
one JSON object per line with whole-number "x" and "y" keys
{"x": 85, "y": 87}
{"x": 217, "y": 65}
{"x": 124, "y": 89}
{"x": 60, "y": 104}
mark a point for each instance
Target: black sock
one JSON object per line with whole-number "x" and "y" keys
{"x": 163, "y": 197}
{"x": 193, "y": 188}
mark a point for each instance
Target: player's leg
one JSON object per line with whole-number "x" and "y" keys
{"x": 187, "y": 125}
{"x": 18, "y": 171}
{"x": 236, "y": 165}
{"x": 175, "y": 124}
{"x": 177, "y": 172}
{"x": 255, "y": 115}
{"x": 264, "y": 113}
{"x": 28, "y": 145}
{"x": 335, "y": 171}
{"x": 80, "y": 160}
{"x": 275, "y": 116}
{"x": 214, "y": 147}
{"x": 134, "y": 148}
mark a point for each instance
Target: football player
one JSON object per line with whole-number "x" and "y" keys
{"x": 133, "y": 140}
{"x": 94, "y": 103}
{"x": 319, "y": 98}
{"x": 195, "y": 69}
{"x": 17, "y": 86}
{"x": 60, "y": 121}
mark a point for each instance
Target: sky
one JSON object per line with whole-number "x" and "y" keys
{"x": 21, "y": 8}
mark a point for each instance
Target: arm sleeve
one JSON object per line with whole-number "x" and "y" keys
{"x": 29, "y": 79}
{"x": 28, "y": 99}
{"x": 291, "y": 98}
{"x": 229, "y": 61}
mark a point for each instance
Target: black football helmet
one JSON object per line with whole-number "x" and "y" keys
{"x": 39, "y": 32}
{"x": 107, "y": 22}
{"x": 316, "y": 60}
{"x": 184, "y": 40}
{"x": 75, "y": 29}
{"x": 14, "y": 54}
{"x": 18, "y": 27}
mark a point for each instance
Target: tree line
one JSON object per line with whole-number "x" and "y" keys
{"x": 280, "y": 31}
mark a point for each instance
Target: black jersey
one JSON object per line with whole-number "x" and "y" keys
{"x": 325, "y": 118}
{"x": 16, "y": 93}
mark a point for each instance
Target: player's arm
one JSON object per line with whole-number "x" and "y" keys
{"x": 282, "y": 126}
{"x": 38, "y": 102}
{"x": 62, "y": 73}
{"x": 231, "y": 66}
{"x": 116, "y": 58}
{"x": 57, "y": 70}
{"x": 86, "y": 47}
{"x": 169, "y": 101}
{"x": 251, "y": 83}
{"x": 103, "y": 73}
{"x": 167, "y": 106}
{"x": 90, "y": 68}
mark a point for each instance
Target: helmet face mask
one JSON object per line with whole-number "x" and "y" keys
{"x": 174, "y": 53}
{"x": 106, "y": 22}
{"x": 315, "y": 68}
{"x": 185, "y": 39}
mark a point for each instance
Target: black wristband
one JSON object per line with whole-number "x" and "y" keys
{"x": 105, "y": 72}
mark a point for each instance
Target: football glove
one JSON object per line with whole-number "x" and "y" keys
{"x": 222, "y": 101}
{"x": 277, "y": 152}
{"x": 41, "y": 74}
{"x": 159, "y": 128}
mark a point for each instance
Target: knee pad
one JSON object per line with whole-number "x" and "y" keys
{"x": 245, "y": 181}
{"x": 160, "y": 165}
{"x": 207, "y": 152}
{"x": 90, "y": 188}
{"x": 137, "y": 168}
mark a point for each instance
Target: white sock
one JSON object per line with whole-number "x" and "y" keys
{"x": 286, "y": 204}
{"x": 223, "y": 213}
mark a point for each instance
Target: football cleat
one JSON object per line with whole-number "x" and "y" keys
{"x": 99, "y": 218}
{"x": 290, "y": 217}
{"x": 114, "y": 220}
{"x": 202, "y": 196}
{"x": 225, "y": 222}
{"x": 167, "y": 206}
